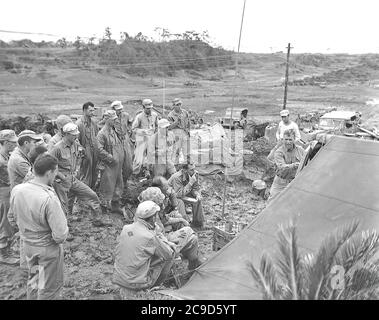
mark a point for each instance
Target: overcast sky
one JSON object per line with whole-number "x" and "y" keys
{"x": 326, "y": 26}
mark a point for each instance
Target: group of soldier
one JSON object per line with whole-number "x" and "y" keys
{"x": 86, "y": 166}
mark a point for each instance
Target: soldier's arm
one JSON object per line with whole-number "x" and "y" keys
{"x": 297, "y": 132}
{"x": 162, "y": 248}
{"x": 11, "y": 214}
{"x": 56, "y": 219}
{"x": 104, "y": 155}
{"x": 81, "y": 131}
{"x": 178, "y": 187}
{"x": 57, "y": 154}
{"x": 23, "y": 168}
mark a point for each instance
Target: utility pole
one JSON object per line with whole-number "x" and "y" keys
{"x": 231, "y": 112}
{"x": 286, "y": 80}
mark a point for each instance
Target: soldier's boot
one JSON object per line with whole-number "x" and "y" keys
{"x": 6, "y": 256}
{"x": 115, "y": 207}
{"x": 98, "y": 220}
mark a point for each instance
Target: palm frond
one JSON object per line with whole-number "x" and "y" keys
{"x": 266, "y": 278}
{"x": 359, "y": 249}
{"x": 289, "y": 261}
{"x": 319, "y": 271}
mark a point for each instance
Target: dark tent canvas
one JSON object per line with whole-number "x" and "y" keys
{"x": 340, "y": 184}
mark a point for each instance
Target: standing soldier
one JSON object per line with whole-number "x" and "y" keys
{"x": 67, "y": 185}
{"x": 61, "y": 121}
{"x": 180, "y": 126}
{"x": 122, "y": 126}
{"x": 43, "y": 226}
{"x": 144, "y": 125}
{"x": 8, "y": 141}
{"x": 111, "y": 153}
{"x": 87, "y": 138}
{"x": 157, "y": 155}
{"x": 19, "y": 163}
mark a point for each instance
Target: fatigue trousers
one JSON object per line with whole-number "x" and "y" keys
{"x": 127, "y": 167}
{"x": 197, "y": 214}
{"x": 111, "y": 183}
{"x": 278, "y": 185}
{"x": 140, "y": 153}
{"x": 45, "y": 271}
{"x": 6, "y": 230}
{"x": 88, "y": 167}
{"x": 187, "y": 242}
{"x": 72, "y": 187}
{"x": 158, "y": 272}
{"x": 181, "y": 144}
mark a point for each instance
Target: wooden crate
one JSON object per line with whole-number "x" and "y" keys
{"x": 221, "y": 238}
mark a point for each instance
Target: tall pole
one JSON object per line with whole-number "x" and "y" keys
{"x": 286, "y": 79}
{"x": 231, "y": 113}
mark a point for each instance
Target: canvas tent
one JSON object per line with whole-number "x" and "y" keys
{"x": 340, "y": 184}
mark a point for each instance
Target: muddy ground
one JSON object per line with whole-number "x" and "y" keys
{"x": 89, "y": 257}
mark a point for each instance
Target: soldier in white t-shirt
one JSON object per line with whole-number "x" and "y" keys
{"x": 287, "y": 124}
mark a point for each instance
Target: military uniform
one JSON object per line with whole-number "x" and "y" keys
{"x": 180, "y": 127}
{"x": 87, "y": 138}
{"x": 286, "y": 166}
{"x": 70, "y": 186}
{"x": 158, "y": 156}
{"x": 18, "y": 166}
{"x": 111, "y": 153}
{"x": 182, "y": 187}
{"x": 6, "y": 231}
{"x": 142, "y": 258}
{"x": 144, "y": 126}
{"x": 43, "y": 226}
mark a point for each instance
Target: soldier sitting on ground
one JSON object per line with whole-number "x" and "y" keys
{"x": 143, "y": 258}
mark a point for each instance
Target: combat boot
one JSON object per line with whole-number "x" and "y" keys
{"x": 6, "y": 256}
{"x": 115, "y": 208}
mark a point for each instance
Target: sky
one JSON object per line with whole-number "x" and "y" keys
{"x": 325, "y": 26}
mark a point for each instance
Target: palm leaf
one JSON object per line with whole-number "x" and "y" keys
{"x": 266, "y": 278}
{"x": 289, "y": 261}
{"x": 359, "y": 248}
{"x": 319, "y": 271}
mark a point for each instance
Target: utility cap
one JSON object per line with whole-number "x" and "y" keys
{"x": 147, "y": 209}
{"x": 71, "y": 128}
{"x": 8, "y": 135}
{"x": 176, "y": 101}
{"x": 147, "y": 103}
{"x": 117, "y": 105}
{"x": 284, "y": 113}
{"x": 30, "y": 134}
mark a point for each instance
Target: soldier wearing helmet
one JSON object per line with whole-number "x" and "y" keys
{"x": 143, "y": 258}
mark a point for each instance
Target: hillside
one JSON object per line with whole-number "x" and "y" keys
{"x": 46, "y": 78}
